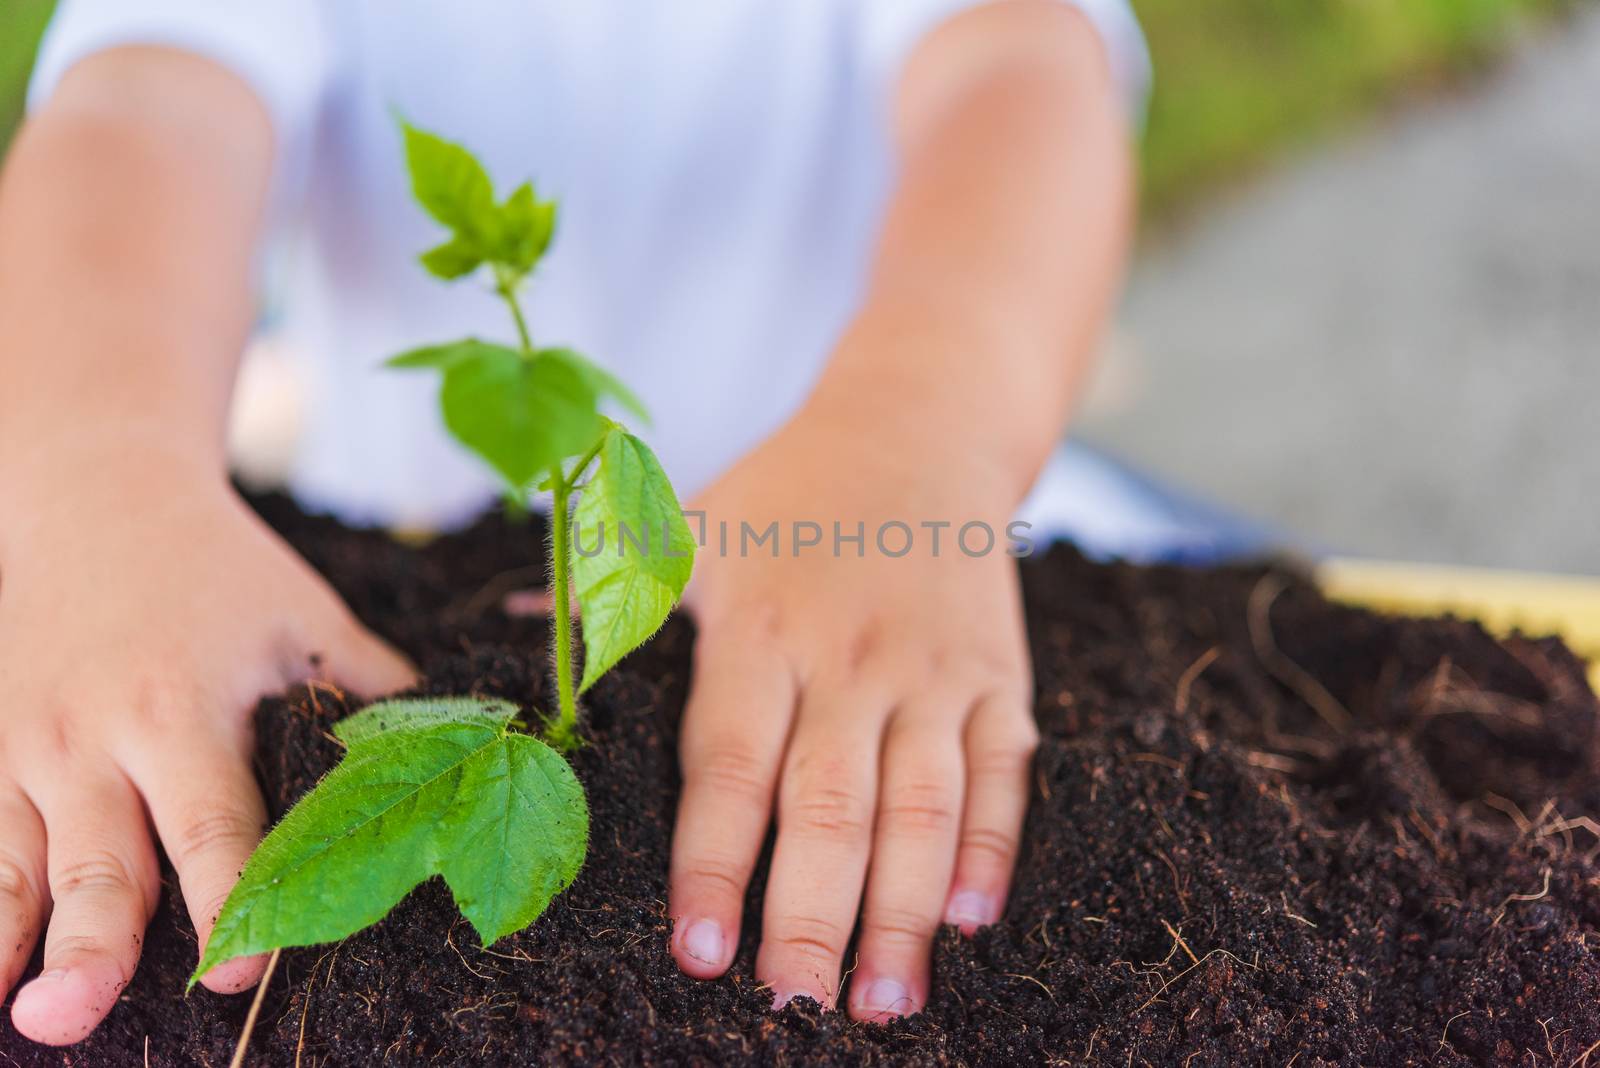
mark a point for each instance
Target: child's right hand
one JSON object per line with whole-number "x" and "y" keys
{"x": 142, "y": 613}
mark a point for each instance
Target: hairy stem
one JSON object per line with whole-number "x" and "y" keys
{"x": 563, "y": 733}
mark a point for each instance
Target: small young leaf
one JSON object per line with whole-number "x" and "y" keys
{"x": 451, "y": 184}
{"x": 427, "y": 788}
{"x": 627, "y": 591}
{"x": 603, "y": 382}
{"x": 456, "y": 258}
{"x": 522, "y": 416}
{"x": 526, "y": 226}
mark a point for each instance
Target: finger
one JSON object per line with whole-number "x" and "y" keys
{"x": 734, "y": 726}
{"x": 23, "y": 895}
{"x": 536, "y": 603}
{"x": 825, "y": 814}
{"x": 1000, "y": 741}
{"x": 209, "y": 816}
{"x": 364, "y": 662}
{"x": 913, "y": 857}
{"x": 102, "y": 878}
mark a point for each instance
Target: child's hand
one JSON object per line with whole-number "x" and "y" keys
{"x": 879, "y": 708}
{"x": 140, "y": 617}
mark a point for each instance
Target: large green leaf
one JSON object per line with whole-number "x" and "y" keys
{"x": 604, "y": 382}
{"x": 428, "y": 787}
{"x": 523, "y": 415}
{"x": 628, "y": 587}
{"x": 451, "y": 185}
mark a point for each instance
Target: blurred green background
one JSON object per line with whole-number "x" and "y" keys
{"x": 1237, "y": 80}
{"x": 21, "y": 22}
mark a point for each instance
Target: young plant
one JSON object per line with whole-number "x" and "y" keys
{"x": 454, "y": 786}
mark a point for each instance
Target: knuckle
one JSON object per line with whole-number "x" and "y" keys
{"x": 212, "y": 832}
{"x": 986, "y": 843}
{"x": 76, "y": 947}
{"x": 57, "y": 740}
{"x": 861, "y": 664}
{"x": 920, "y": 807}
{"x": 752, "y": 626}
{"x": 985, "y": 666}
{"x": 818, "y": 766}
{"x": 968, "y": 668}
{"x": 991, "y": 761}
{"x": 722, "y": 877}
{"x": 865, "y": 651}
{"x": 95, "y": 873}
{"x": 734, "y": 770}
{"x": 812, "y": 937}
{"x": 1007, "y": 753}
{"x": 159, "y": 703}
{"x": 829, "y": 812}
{"x": 897, "y": 926}
{"x": 16, "y": 884}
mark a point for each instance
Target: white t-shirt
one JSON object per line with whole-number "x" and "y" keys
{"x": 722, "y": 168}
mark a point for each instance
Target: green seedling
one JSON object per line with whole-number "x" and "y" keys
{"x": 454, "y": 786}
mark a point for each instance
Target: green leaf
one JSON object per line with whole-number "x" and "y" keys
{"x": 451, "y": 185}
{"x": 526, "y": 227}
{"x": 603, "y": 382}
{"x": 410, "y": 713}
{"x": 430, "y": 787}
{"x": 627, "y": 591}
{"x": 438, "y": 357}
{"x": 456, "y": 258}
{"x": 522, "y": 416}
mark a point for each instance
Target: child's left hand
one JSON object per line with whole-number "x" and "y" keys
{"x": 882, "y": 702}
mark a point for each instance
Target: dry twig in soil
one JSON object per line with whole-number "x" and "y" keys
{"x": 1299, "y": 681}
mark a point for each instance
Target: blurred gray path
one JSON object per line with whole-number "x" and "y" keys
{"x": 1393, "y": 346}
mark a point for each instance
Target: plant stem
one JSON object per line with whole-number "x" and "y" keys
{"x": 506, "y": 286}
{"x": 563, "y": 733}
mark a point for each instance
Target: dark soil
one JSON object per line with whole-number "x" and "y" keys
{"x": 1212, "y": 873}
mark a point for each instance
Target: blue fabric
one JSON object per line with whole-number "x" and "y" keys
{"x": 1111, "y": 510}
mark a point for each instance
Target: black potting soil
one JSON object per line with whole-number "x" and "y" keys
{"x": 1265, "y": 830}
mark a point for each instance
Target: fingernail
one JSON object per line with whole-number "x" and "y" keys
{"x": 54, "y": 975}
{"x": 969, "y": 908}
{"x": 885, "y": 997}
{"x": 703, "y": 941}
